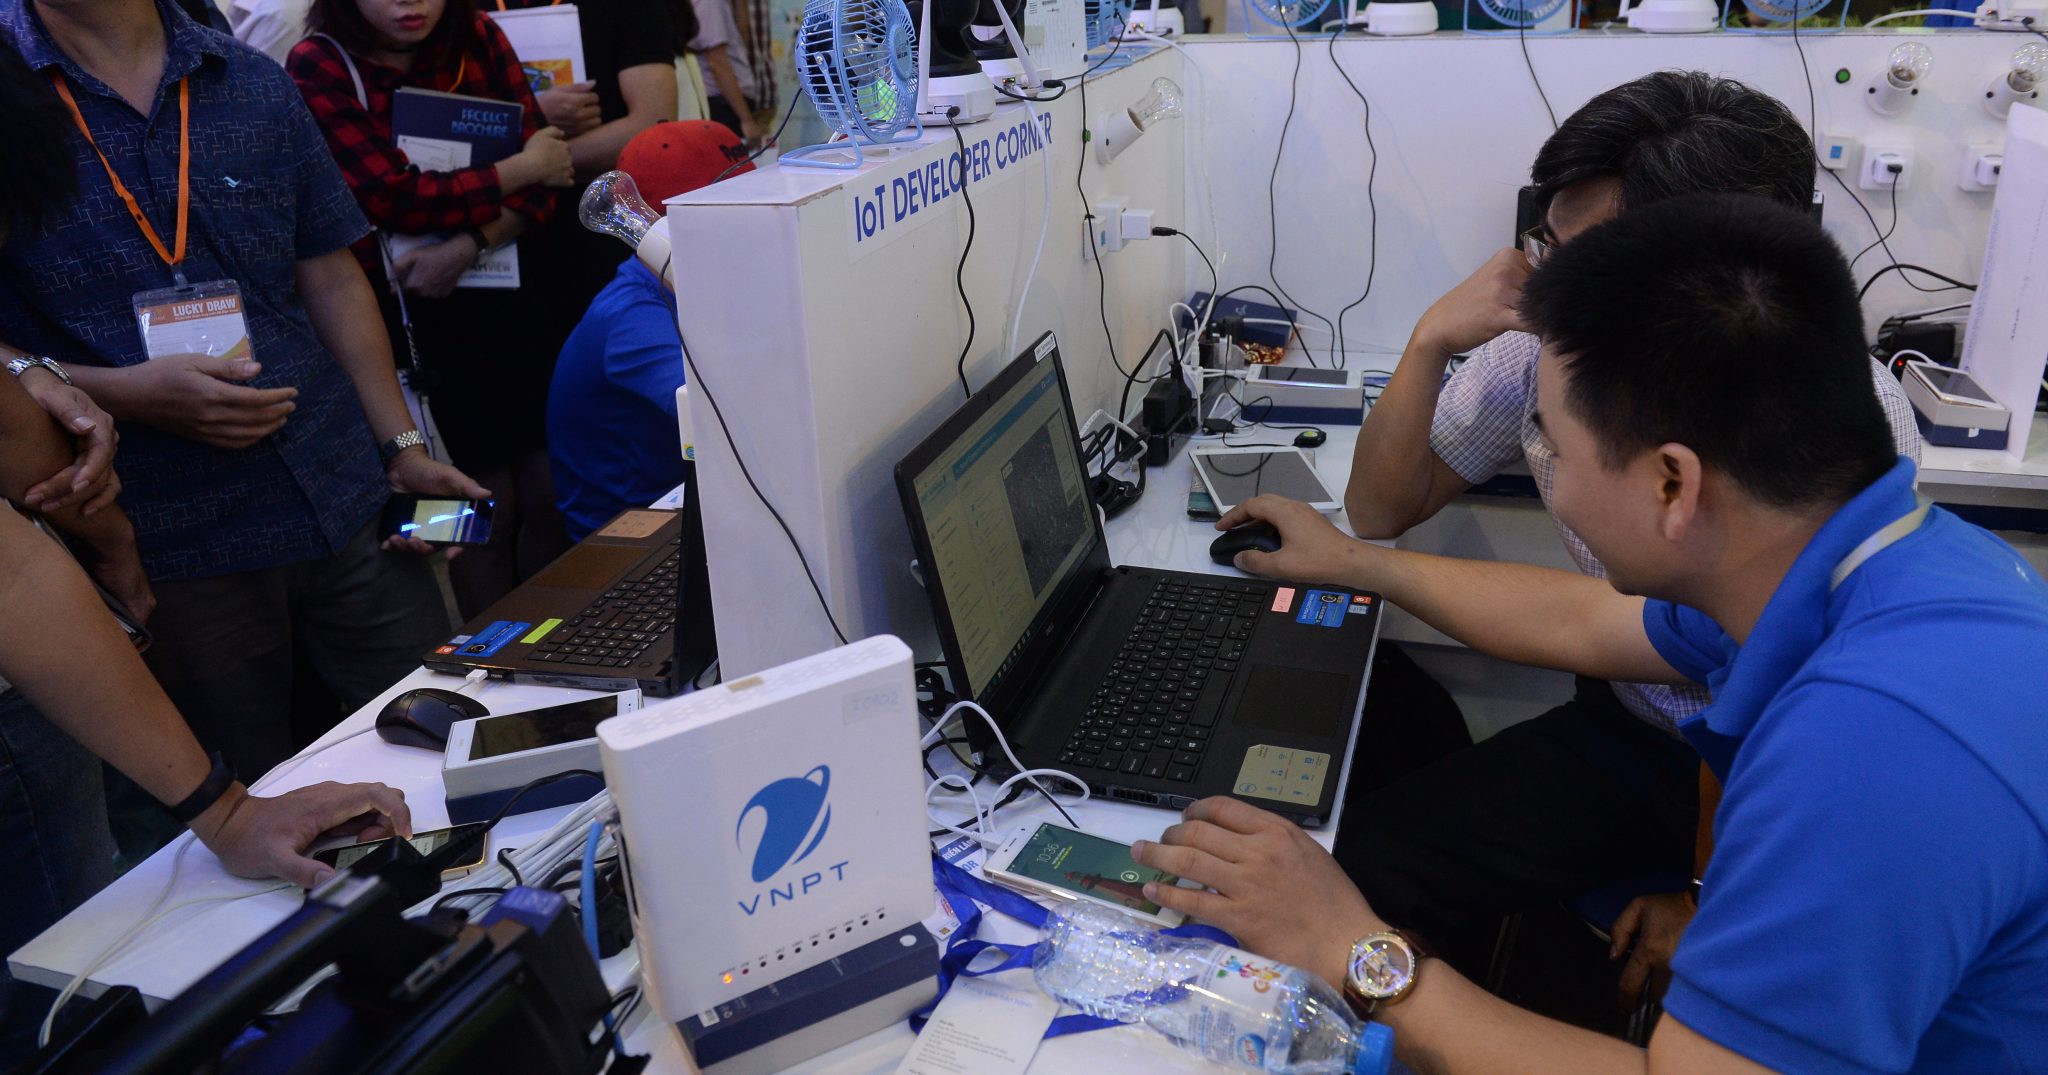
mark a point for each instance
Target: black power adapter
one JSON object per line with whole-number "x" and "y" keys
{"x": 1167, "y": 412}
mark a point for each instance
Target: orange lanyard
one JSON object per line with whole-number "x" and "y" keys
{"x": 175, "y": 255}
{"x": 551, "y": 3}
{"x": 461, "y": 70}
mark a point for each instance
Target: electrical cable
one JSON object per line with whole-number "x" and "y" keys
{"x": 960, "y": 270}
{"x": 1372, "y": 255}
{"x": 1273, "y": 210}
{"x": 1902, "y": 268}
{"x": 1088, "y": 210}
{"x": 765, "y": 146}
{"x": 1522, "y": 34}
{"x": 1050, "y": 83}
{"x": 1883, "y": 235}
{"x": 696, "y": 379}
{"x": 1031, "y": 274}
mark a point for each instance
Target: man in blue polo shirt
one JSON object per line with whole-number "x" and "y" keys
{"x": 253, "y": 479}
{"x": 1877, "y": 900}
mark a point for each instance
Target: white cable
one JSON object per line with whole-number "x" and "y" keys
{"x": 1044, "y": 225}
{"x": 1917, "y": 14}
{"x": 981, "y": 816}
{"x": 291, "y": 765}
{"x": 475, "y": 677}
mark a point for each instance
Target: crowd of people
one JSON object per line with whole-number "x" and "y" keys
{"x": 1676, "y": 353}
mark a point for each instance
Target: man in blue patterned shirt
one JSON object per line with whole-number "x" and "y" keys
{"x": 254, "y": 482}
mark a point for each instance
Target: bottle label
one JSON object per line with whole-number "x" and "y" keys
{"x": 1240, "y": 990}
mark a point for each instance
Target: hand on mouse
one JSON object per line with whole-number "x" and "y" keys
{"x": 267, "y": 836}
{"x": 1311, "y": 549}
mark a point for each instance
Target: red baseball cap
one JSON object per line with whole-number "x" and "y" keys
{"x": 677, "y": 157}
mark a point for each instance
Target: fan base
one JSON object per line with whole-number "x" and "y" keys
{"x": 1397, "y": 19}
{"x": 1674, "y": 17}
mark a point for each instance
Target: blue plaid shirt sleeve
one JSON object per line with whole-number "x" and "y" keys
{"x": 1477, "y": 428}
{"x": 329, "y": 218}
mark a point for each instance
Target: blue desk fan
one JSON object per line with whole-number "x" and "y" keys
{"x": 1105, "y": 20}
{"x": 855, "y": 60}
{"x": 1781, "y": 14}
{"x": 1294, "y": 16}
{"x": 1522, "y": 16}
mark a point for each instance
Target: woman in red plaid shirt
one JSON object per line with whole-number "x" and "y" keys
{"x": 486, "y": 352}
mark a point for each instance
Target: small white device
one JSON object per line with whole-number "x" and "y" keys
{"x": 1065, "y": 864}
{"x": 1305, "y": 394}
{"x": 1396, "y": 18}
{"x": 1952, "y": 409}
{"x": 772, "y": 823}
{"x": 1951, "y": 385}
{"x": 1235, "y": 475}
{"x": 505, "y": 752}
{"x": 1671, "y": 16}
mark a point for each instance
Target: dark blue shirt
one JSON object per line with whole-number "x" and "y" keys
{"x": 612, "y": 433}
{"x": 1878, "y": 896}
{"x": 265, "y": 195}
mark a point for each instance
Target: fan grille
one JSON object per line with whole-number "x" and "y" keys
{"x": 857, "y": 64}
{"x": 1785, "y": 10}
{"x": 1293, "y": 14}
{"x": 1523, "y": 13}
{"x": 1105, "y": 20}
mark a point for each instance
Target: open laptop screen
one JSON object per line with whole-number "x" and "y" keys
{"x": 1006, "y": 514}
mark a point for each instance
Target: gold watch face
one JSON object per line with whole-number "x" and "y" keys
{"x": 1382, "y": 966}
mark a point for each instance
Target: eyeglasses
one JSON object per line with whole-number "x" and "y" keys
{"x": 1536, "y": 245}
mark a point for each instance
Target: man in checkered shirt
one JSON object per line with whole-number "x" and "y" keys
{"x": 1600, "y": 789}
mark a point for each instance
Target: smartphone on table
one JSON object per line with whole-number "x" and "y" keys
{"x": 438, "y": 520}
{"x": 426, "y": 843}
{"x": 1065, "y": 864}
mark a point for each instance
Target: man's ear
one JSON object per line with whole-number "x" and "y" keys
{"x": 1679, "y": 479}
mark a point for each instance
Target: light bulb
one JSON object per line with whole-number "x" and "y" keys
{"x": 1163, "y": 102}
{"x": 1909, "y": 64}
{"x": 2029, "y": 68}
{"x": 613, "y": 206}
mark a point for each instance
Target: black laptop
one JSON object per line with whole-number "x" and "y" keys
{"x": 629, "y": 606}
{"x": 1157, "y": 687}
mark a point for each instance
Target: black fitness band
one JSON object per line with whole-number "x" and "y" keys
{"x": 218, "y": 780}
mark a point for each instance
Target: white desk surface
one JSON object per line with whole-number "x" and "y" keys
{"x": 1979, "y": 467}
{"x": 162, "y": 963}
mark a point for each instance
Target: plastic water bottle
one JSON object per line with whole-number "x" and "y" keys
{"x": 1217, "y": 1002}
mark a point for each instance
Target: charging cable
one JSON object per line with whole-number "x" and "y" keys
{"x": 983, "y": 816}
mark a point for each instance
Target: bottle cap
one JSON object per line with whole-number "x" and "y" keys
{"x": 1375, "y": 1050}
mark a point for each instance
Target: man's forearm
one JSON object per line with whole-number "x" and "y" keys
{"x": 74, "y": 663}
{"x": 343, "y": 309}
{"x": 650, "y": 94}
{"x": 719, "y": 60}
{"x": 32, "y": 448}
{"x": 1530, "y": 615}
{"x": 1392, "y": 466}
{"x": 1449, "y": 1026}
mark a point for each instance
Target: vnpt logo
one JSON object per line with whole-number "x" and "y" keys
{"x": 794, "y": 819}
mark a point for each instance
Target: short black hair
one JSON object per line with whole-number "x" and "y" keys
{"x": 1680, "y": 132}
{"x": 1725, "y": 323}
{"x": 40, "y": 176}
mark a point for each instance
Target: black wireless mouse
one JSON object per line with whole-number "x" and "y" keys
{"x": 421, "y": 717}
{"x": 1310, "y": 438}
{"x": 1253, "y": 535}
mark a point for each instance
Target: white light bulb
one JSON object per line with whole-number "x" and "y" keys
{"x": 2029, "y": 68}
{"x": 1162, "y": 102}
{"x": 1909, "y": 64}
{"x": 613, "y": 206}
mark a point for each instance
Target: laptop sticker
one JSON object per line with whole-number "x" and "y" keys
{"x": 1325, "y": 607}
{"x": 634, "y": 525}
{"x": 1361, "y": 604}
{"x": 1283, "y": 599}
{"x": 541, "y": 632}
{"x": 491, "y": 639}
{"x": 1283, "y": 775}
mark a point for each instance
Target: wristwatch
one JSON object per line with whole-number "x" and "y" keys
{"x": 25, "y": 363}
{"x": 1382, "y": 970}
{"x": 411, "y": 438}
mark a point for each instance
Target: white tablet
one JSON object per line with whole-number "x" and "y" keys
{"x": 1235, "y": 475}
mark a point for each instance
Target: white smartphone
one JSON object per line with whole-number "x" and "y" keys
{"x": 509, "y": 750}
{"x": 1951, "y": 385}
{"x": 1235, "y": 475}
{"x": 1055, "y": 861}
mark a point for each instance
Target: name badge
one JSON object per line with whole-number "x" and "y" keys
{"x": 193, "y": 319}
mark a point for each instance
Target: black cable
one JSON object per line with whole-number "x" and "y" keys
{"x": 1372, "y": 172}
{"x": 960, "y": 270}
{"x": 769, "y": 144}
{"x": 453, "y": 853}
{"x": 1088, "y": 213}
{"x": 1273, "y": 212}
{"x": 1050, "y": 83}
{"x": 696, "y": 380}
{"x": 1522, "y": 34}
{"x": 452, "y": 896}
{"x": 1215, "y": 285}
{"x": 1883, "y": 235}
{"x": 1901, "y": 268}
{"x": 505, "y": 860}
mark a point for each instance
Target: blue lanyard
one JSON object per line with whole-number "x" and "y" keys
{"x": 966, "y": 894}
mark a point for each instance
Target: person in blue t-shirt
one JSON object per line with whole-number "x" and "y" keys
{"x": 612, "y": 435}
{"x": 1877, "y": 897}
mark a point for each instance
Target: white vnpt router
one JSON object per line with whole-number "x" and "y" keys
{"x": 771, "y": 823}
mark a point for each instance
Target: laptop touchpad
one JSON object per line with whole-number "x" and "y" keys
{"x": 589, "y": 566}
{"x": 1294, "y": 701}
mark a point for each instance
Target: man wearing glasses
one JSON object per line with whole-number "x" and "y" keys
{"x": 1600, "y": 789}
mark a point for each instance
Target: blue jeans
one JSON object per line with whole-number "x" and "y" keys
{"x": 58, "y": 850}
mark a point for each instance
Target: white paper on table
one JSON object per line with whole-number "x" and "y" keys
{"x": 984, "y": 1027}
{"x": 549, "y": 41}
{"x": 2006, "y": 346}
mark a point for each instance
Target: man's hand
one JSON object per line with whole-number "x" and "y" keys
{"x": 1478, "y": 309}
{"x": 1654, "y": 924}
{"x": 120, "y": 571}
{"x": 433, "y": 270}
{"x": 1277, "y": 891}
{"x": 573, "y": 107}
{"x": 267, "y": 836}
{"x": 750, "y": 128}
{"x": 1311, "y": 548}
{"x": 89, "y": 480}
{"x": 194, "y": 396}
{"x": 414, "y": 471}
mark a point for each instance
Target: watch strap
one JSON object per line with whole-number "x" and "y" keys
{"x": 411, "y": 438}
{"x": 218, "y": 780}
{"x": 25, "y": 363}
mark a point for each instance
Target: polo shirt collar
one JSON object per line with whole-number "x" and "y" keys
{"x": 1798, "y": 618}
{"x": 189, "y": 44}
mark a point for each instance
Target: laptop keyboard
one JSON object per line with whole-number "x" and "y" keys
{"x": 616, "y": 629}
{"x": 1155, "y": 711}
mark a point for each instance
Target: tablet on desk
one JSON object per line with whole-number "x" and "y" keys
{"x": 1235, "y": 475}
